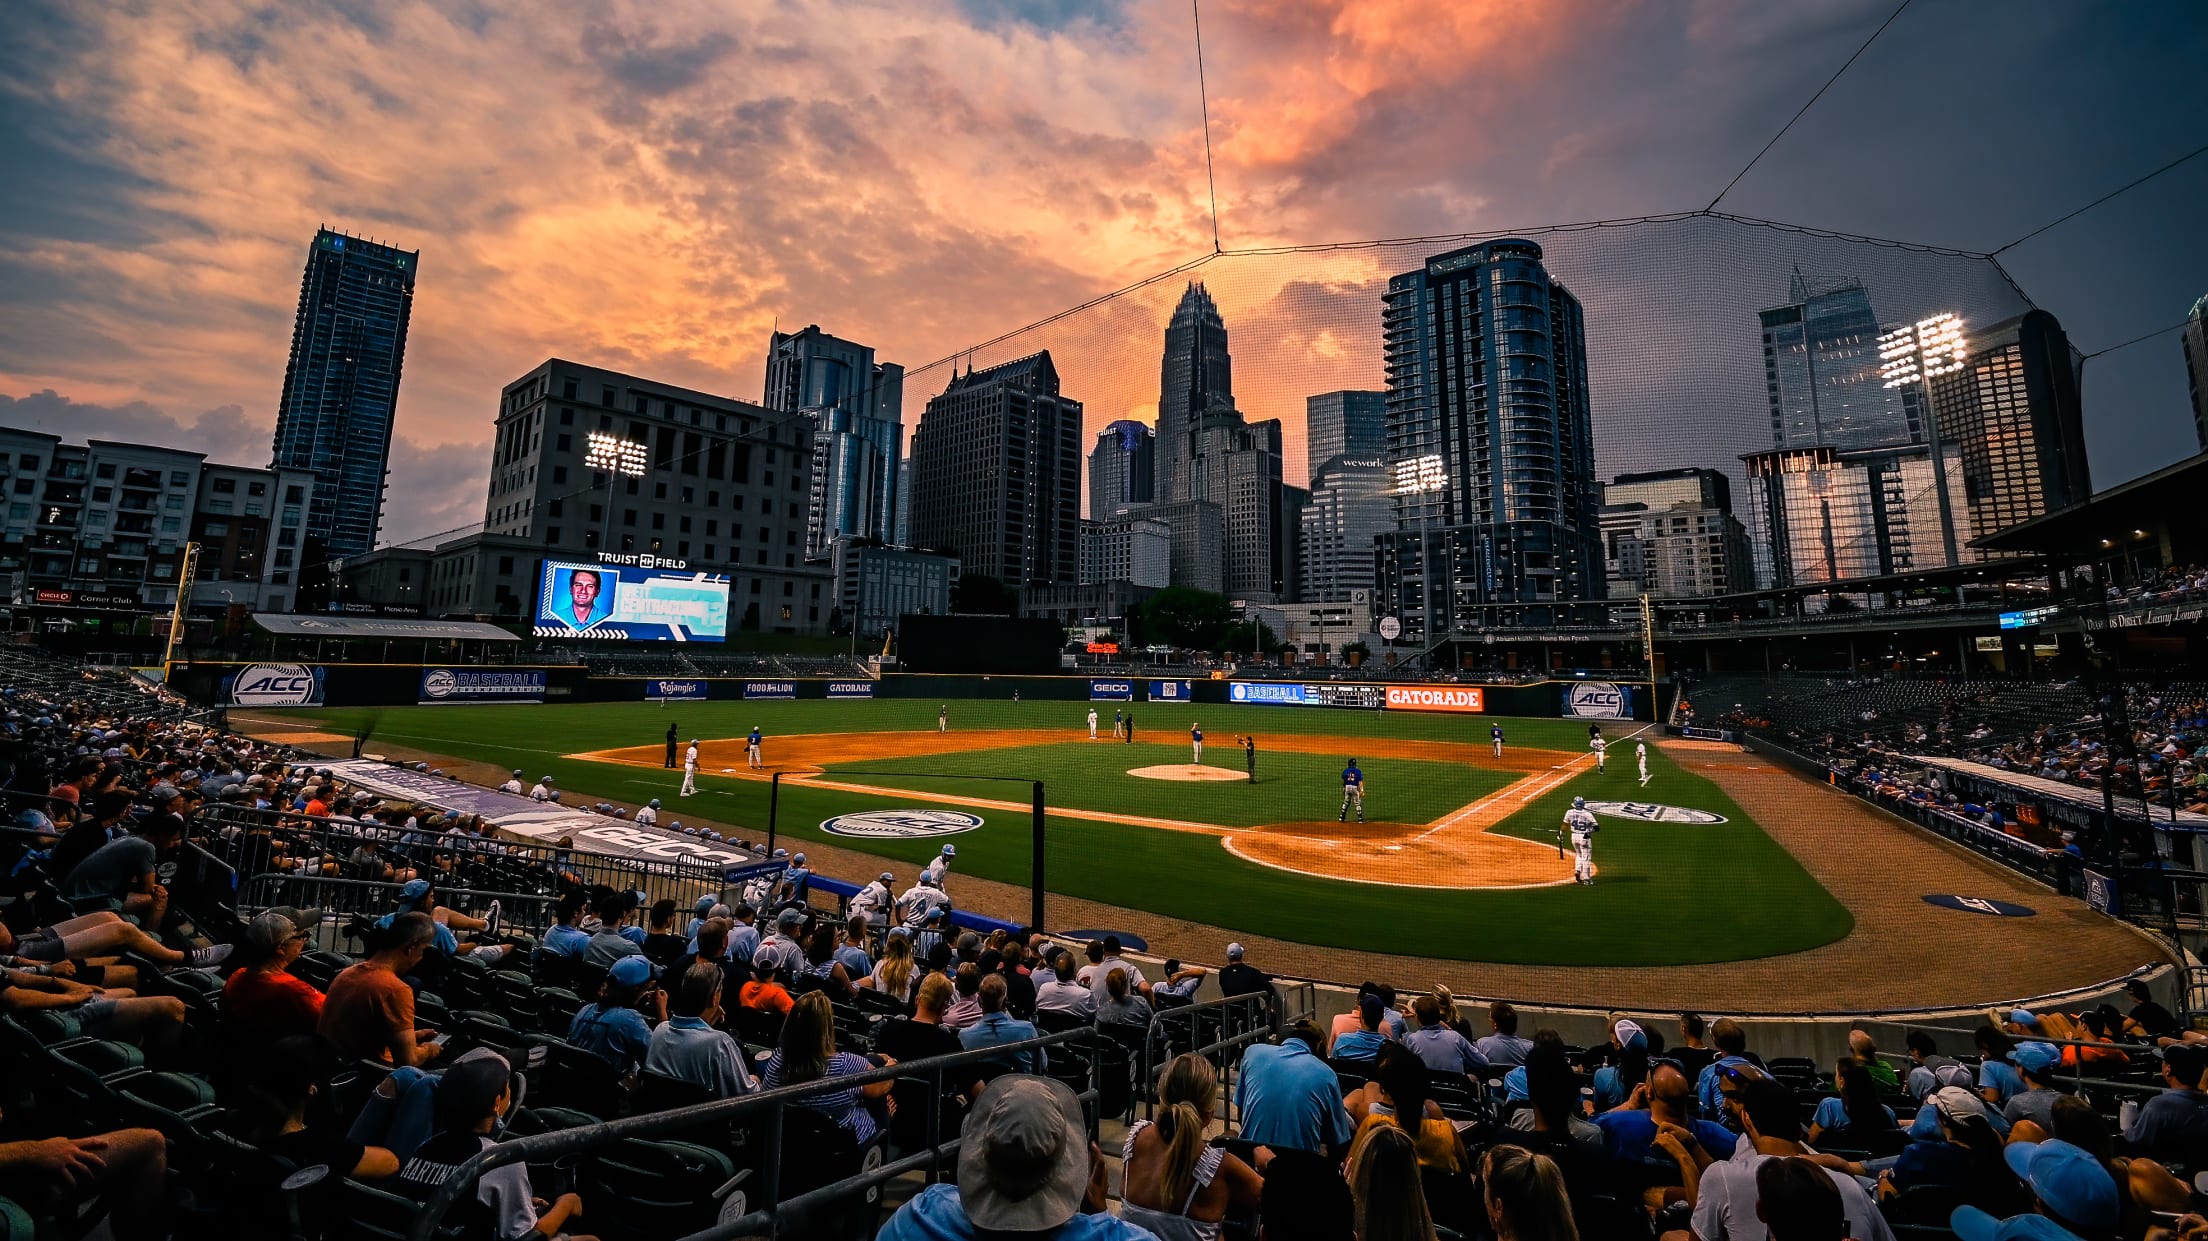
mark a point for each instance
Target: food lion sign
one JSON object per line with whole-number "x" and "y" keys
{"x": 901, "y": 824}
{"x": 276, "y": 685}
{"x": 1597, "y": 700}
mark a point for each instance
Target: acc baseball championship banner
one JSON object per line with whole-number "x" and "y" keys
{"x": 1464, "y": 699}
{"x": 482, "y": 685}
{"x": 1170, "y": 691}
{"x": 1598, "y": 700}
{"x": 674, "y": 691}
{"x": 850, "y": 689}
{"x": 534, "y": 822}
{"x": 274, "y": 685}
{"x": 1112, "y": 691}
{"x": 770, "y": 689}
{"x": 1267, "y": 693}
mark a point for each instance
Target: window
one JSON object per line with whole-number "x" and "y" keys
{"x": 563, "y": 443}
{"x": 287, "y": 538}
{"x": 659, "y": 521}
{"x": 27, "y": 461}
{"x": 552, "y": 534}
{"x": 684, "y": 527}
{"x": 559, "y": 472}
{"x": 256, "y": 489}
{"x": 628, "y": 518}
{"x": 101, "y": 495}
{"x": 171, "y": 525}
{"x": 567, "y": 390}
{"x": 567, "y": 419}
{"x": 553, "y": 509}
{"x": 283, "y": 558}
{"x": 682, "y": 548}
{"x": 689, "y": 495}
{"x": 643, "y": 405}
{"x": 225, "y": 486}
{"x": 295, "y": 495}
{"x": 174, "y": 501}
{"x": 659, "y": 491}
{"x": 785, "y": 608}
{"x": 106, "y": 470}
{"x": 709, "y": 551}
{"x": 605, "y": 397}
{"x": 178, "y": 478}
{"x": 25, "y": 486}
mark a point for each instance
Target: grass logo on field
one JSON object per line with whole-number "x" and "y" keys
{"x": 901, "y": 824}
{"x": 1650, "y": 812}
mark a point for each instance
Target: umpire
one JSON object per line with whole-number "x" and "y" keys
{"x": 671, "y": 735}
{"x": 1249, "y": 757}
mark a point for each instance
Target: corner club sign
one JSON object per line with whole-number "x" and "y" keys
{"x": 276, "y": 685}
{"x": 900, "y": 824}
{"x": 1650, "y": 812}
{"x": 1436, "y": 698}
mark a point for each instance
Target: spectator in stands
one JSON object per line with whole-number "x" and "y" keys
{"x": 420, "y": 895}
{"x": 1525, "y": 1196}
{"x": 923, "y": 1034}
{"x": 1797, "y": 1202}
{"x": 1503, "y": 1048}
{"x": 896, "y": 973}
{"x": 1113, "y": 961}
{"x": 2174, "y": 1123}
{"x": 95, "y": 937}
{"x": 1384, "y": 1179}
{"x": 2068, "y": 1186}
{"x": 688, "y": 1046}
{"x": 1019, "y": 983}
{"x": 95, "y": 828}
{"x": 1172, "y": 1181}
{"x": 1966, "y": 1161}
{"x": 1088, "y": 976}
{"x": 369, "y": 1013}
{"x": 1240, "y": 978}
{"x": 1997, "y": 1078}
{"x": 566, "y": 938}
{"x": 290, "y": 1076}
{"x": 1180, "y": 982}
{"x": 1552, "y": 1095}
{"x": 2148, "y": 1020}
{"x": 1288, "y": 1098}
{"x": 118, "y": 877}
{"x": 1021, "y": 1172}
{"x": 1731, "y": 1044}
{"x": 782, "y": 947}
{"x": 615, "y": 1026}
{"x": 1615, "y": 1082}
{"x": 661, "y": 944}
{"x": 264, "y": 1002}
{"x": 1852, "y": 1117}
{"x": 1062, "y": 991}
{"x": 1393, "y": 1026}
{"x": 1726, "y": 1197}
{"x": 1398, "y": 1088}
{"x": 2037, "y": 1063}
{"x": 122, "y": 1169}
{"x": 472, "y": 1099}
{"x": 1864, "y": 1049}
{"x": 965, "y": 1007}
{"x": 996, "y": 1028}
{"x": 1364, "y": 1041}
{"x": 1441, "y": 1048}
{"x": 808, "y": 1053}
{"x": 611, "y": 942}
{"x": 1930, "y": 1070}
{"x": 743, "y": 931}
{"x": 1662, "y": 1104}
{"x": 851, "y": 954}
{"x": 1121, "y": 1006}
{"x": 818, "y": 944}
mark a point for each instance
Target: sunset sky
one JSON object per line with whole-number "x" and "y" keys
{"x": 652, "y": 186}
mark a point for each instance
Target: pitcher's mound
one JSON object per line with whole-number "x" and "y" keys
{"x": 1185, "y": 771}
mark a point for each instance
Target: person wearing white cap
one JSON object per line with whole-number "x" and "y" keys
{"x": 690, "y": 766}
{"x": 1092, "y": 723}
{"x": 873, "y": 902}
{"x": 513, "y": 784}
{"x": 649, "y": 815}
{"x": 939, "y": 867}
{"x": 1640, "y": 752}
{"x": 1026, "y": 1167}
{"x": 1581, "y": 823}
{"x": 1241, "y": 978}
{"x": 543, "y": 791}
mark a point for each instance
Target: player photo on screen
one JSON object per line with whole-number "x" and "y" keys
{"x": 579, "y": 597}
{"x": 630, "y": 603}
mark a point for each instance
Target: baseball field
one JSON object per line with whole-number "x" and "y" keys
{"x": 1459, "y": 856}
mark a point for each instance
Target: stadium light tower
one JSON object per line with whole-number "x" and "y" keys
{"x": 1913, "y": 355}
{"x": 1419, "y": 476}
{"x": 614, "y": 457}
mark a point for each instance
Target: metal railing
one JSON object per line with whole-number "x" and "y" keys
{"x": 378, "y": 896}
{"x": 1234, "y": 1020}
{"x": 774, "y": 1214}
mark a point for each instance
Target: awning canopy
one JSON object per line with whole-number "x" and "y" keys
{"x": 384, "y": 627}
{"x": 2150, "y": 508}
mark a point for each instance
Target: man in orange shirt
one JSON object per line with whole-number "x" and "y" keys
{"x": 369, "y": 1013}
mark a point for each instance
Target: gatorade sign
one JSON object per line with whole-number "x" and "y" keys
{"x": 1464, "y": 699}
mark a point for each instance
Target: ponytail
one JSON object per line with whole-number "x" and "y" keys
{"x": 1182, "y": 1126}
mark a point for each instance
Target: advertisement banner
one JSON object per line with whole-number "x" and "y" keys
{"x": 1267, "y": 693}
{"x": 850, "y": 689}
{"x": 1169, "y": 691}
{"x": 274, "y": 685}
{"x": 651, "y": 601}
{"x": 1598, "y": 700}
{"x": 770, "y": 689}
{"x": 482, "y": 685}
{"x": 674, "y": 691}
{"x": 1464, "y": 699}
{"x": 1112, "y": 691}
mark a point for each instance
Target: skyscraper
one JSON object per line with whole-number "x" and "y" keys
{"x": 1828, "y": 516}
{"x": 1671, "y": 534}
{"x": 1120, "y": 468}
{"x": 341, "y": 385}
{"x": 1197, "y": 376}
{"x": 856, "y": 407}
{"x": 1821, "y": 373}
{"x": 1351, "y": 504}
{"x": 1492, "y": 444}
{"x": 2012, "y": 417}
{"x": 996, "y": 474}
{"x": 1344, "y": 424}
{"x": 2196, "y": 367}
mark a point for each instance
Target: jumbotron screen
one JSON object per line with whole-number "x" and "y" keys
{"x": 630, "y": 604}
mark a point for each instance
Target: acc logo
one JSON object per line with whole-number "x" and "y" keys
{"x": 1650, "y": 812}
{"x": 1596, "y": 700}
{"x": 440, "y": 683}
{"x": 900, "y": 824}
{"x": 273, "y": 685}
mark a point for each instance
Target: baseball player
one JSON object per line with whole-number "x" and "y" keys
{"x": 751, "y": 750}
{"x": 875, "y": 901}
{"x": 943, "y": 718}
{"x": 690, "y": 764}
{"x": 1601, "y": 749}
{"x": 1495, "y": 734}
{"x": 1640, "y": 751}
{"x": 514, "y": 785}
{"x": 1580, "y": 821}
{"x": 1130, "y": 728}
{"x": 939, "y": 868}
{"x": 1092, "y": 723}
{"x": 1353, "y": 792}
{"x": 919, "y": 901}
{"x": 1249, "y": 756}
{"x": 1196, "y": 742}
{"x": 545, "y": 790}
{"x": 1119, "y": 723}
{"x": 649, "y": 815}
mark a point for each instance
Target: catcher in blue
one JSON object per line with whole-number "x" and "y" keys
{"x": 1580, "y": 821}
{"x": 1353, "y": 792}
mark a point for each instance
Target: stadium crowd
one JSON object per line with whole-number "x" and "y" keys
{"x": 174, "y": 1060}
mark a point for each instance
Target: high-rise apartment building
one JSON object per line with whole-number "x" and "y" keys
{"x": 1821, "y": 373}
{"x": 1351, "y": 505}
{"x": 2011, "y": 416}
{"x": 1127, "y": 549}
{"x": 1671, "y": 534}
{"x": 724, "y": 487}
{"x": 1349, "y": 424}
{"x": 1121, "y": 468}
{"x": 341, "y": 385}
{"x": 1828, "y": 516}
{"x": 996, "y": 474}
{"x": 1492, "y": 443}
{"x": 2196, "y": 367}
{"x": 1195, "y": 378}
{"x": 856, "y": 406}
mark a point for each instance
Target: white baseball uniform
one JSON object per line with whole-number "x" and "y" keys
{"x": 1640, "y": 751}
{"x": 1602, "y": 753}
{"x": 937, "y": 871}
{"x": 647, "y": 817}
{"x": 1092, "y": 723}
{"x": 1583, "y": 826}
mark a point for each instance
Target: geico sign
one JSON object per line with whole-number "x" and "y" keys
{"x": 1436, "y": 698}
{"x": 273, "y": 685}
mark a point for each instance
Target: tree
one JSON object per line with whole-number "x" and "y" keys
{"x": 1181, "y": 616}
{"x": 1235, "y": 639}
{"x": 1357, "y": 653}
{"x": 980, "y": 594}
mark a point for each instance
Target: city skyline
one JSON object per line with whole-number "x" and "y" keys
{"x": 149, "y": 274}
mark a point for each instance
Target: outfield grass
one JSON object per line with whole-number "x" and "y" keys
{"x": 1667, "y": 894}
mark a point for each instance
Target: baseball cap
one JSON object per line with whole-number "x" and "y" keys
{"x": 1579, "y": 803}
{"x": 1955, "y": 1103}
{"x": 1022, "y": 1166}
{"x": 517, "y": 773}
{"x": 655, "y": 803}
{"x": 162, "y": 793}
{"x": 720, "y": 911}
{"x": 888, "y": 878}
{"x": 799, "y": 859}
{"x": 1369, "y": 1008}
{"x": 1629, "y": 1034}
{"x": 269, "y": 931}
{"x": 705, "y": 904}
{"x": 1972, "y": 1224}
{"x": 950, "y": 851}
{"x": 469, "y": 1089}
{"x": 1234, "y": 952}
{"x": 788, "y": 917}
{"x": 414, "y": 890}
{"x": 2073, "y": 1184}
{"x": 2023, "y": 1017}
{"x": 2186, "y": 1061}
{"x": 2036, "y": 1057}
{"x": 548, "y": 780}
{"x": 631, "y": 970}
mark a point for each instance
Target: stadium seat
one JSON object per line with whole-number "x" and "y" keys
{"x": 656, "y": 1189}
{"x": 816, "y": 1151}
